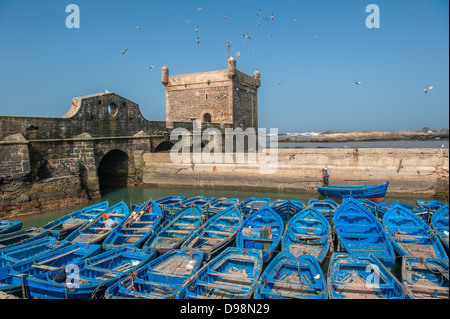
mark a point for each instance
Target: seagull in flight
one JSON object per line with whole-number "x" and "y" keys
{"x": 138, "y": 27}
{"x": 356, "y": 83}
{"x": 151, "y": 67}
{"x": 198, "y": 40}
{"x": 226, "y": 16}
{"x": 272, "y": 17}
{"x": 245, "y": 36}
{"x": 188, "y": 21}
{"x": 259, "y": 12}
{"x": 428, "y": 88}
{"x": 196, "y": 29}
{"x": 126, "y": 51}
{"x": 199, "y": 9}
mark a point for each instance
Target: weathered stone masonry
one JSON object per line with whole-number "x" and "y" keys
{"x": 101, "y": 141}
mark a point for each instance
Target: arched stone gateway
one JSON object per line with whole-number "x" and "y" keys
{"x": 113, "y": 169}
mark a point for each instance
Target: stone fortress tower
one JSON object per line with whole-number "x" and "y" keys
{"x": 225, "y": 96}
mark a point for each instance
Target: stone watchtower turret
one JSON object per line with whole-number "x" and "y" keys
{"x": 225, "y": 96}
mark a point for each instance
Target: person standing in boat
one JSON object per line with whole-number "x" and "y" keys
{"x": 325, "y": 176}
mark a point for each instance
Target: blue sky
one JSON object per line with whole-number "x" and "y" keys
{"x": 309, "y": 57}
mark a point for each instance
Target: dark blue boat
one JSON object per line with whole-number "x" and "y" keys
{"x": 216, "y": 234}
{"x": 231, "y": 275}
{"x": 101, "y": 226}
{"x": 261, "y": 230}
{"x": 432, "y": 205}
{"x": 161, "y": 278}
{"x": 24, "y": 236}
{"x": 439, "y": 222}
{"x": 356, "y": 277}
{"x": 7, "y": 226}
{"x": 307, "y": 233}
{"x": 373, "y": 192}
{"x": 411, "y": 236}
{"x": 425, "y": 278}
{"x": 287, "y": 209}
{"x": 326, "y": 207}
{"x": 219, "y": 205}
{"x": 290, "y": 277}
{"x": 14, "y": 254}
{"x": 377, "y": 209}
{"x": 361, "y": 234}
{"x": 12, "y": 276}
{"x": 68, "y": 223}
{"x": 137, "y": 227}
{"x": 173, "y": 232}
{"x": 91, "y": 277}
{"x": 253, "y": 204}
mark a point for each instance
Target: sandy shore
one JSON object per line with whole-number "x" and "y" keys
{"x": 332, "y": 137}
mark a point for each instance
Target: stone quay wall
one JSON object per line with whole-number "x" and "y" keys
{"x": 416, "y": 172}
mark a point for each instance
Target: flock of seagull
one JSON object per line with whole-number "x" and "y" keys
{"x": 246, "y": 36}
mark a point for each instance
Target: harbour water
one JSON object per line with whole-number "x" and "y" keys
{"x": 141, "y": 194}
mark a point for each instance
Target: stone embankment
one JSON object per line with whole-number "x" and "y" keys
{"x": 415, "y": 172}
{"x": 364, "y": 136}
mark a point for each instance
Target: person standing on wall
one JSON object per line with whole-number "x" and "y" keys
{"x": 325, "y": 176}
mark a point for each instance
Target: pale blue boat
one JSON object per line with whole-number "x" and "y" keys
{"x": 439, "y": 222}
{"x": 93, "y": 275}
{"x": 137, "y": 227}
{"x": 71, "y": 222}
{"x": 411, "y": 236}
{"x": 173, "y": 232}
{"x": 261, "y": 230}
{"x": 216, "y": 234}
{"x": 290, "y": 277}
{"x": 7, "y": 226}
{"x": 161, "y": 278}
{"x": 326, "y": 207}
{"x": 357, "y": 277}
{"x": 233, "y": 274}
{"x": 287, "y": 209}
{"x": 425, "y": 278}
{"x": 253, "y": 204}
{"x": 101, "y": 226}
{"x": 360, "y": 233}
{"x": 308, "y": 233}
{"x": 14, "y": 276}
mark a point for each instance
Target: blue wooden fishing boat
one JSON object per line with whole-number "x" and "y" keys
{"x": 253, "y": 204}
{"x": 290, "y": 277}
{"x": 356, "y": 277}
{"x": 102, "y": 225}
{"x": 219, "y": 205}
{"x": 14, "y": 276}
{"x": 68, "y": 223}
{"x": 287, "y": 209}
{"x": 432, "y": 205}
{"x": 161, "y": 278}
{"x": 16, "y": 253}
{"x": 172, "y": 233}
{"x": 425, "y": 278}
{"x": 92, "y": 277}
{"x": 261, "y": 230}
{"x": 410, "y": 235}
{"x": 7, "y": 226}
{"x": 439, "y": 222}
{"x": 326, "y": 207}
{"x": 137, "y": 227}
{"x": 308, "y": 233}
{"x": 24, "y": 236}
{"x": 231, "y": 275}
{"x": 423, "y": 213}
{"x": 360, "y": 233}
{"x": 377, "y": 209}
{"x": 373, "y": 192}
{"x": 216, "y": 234}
